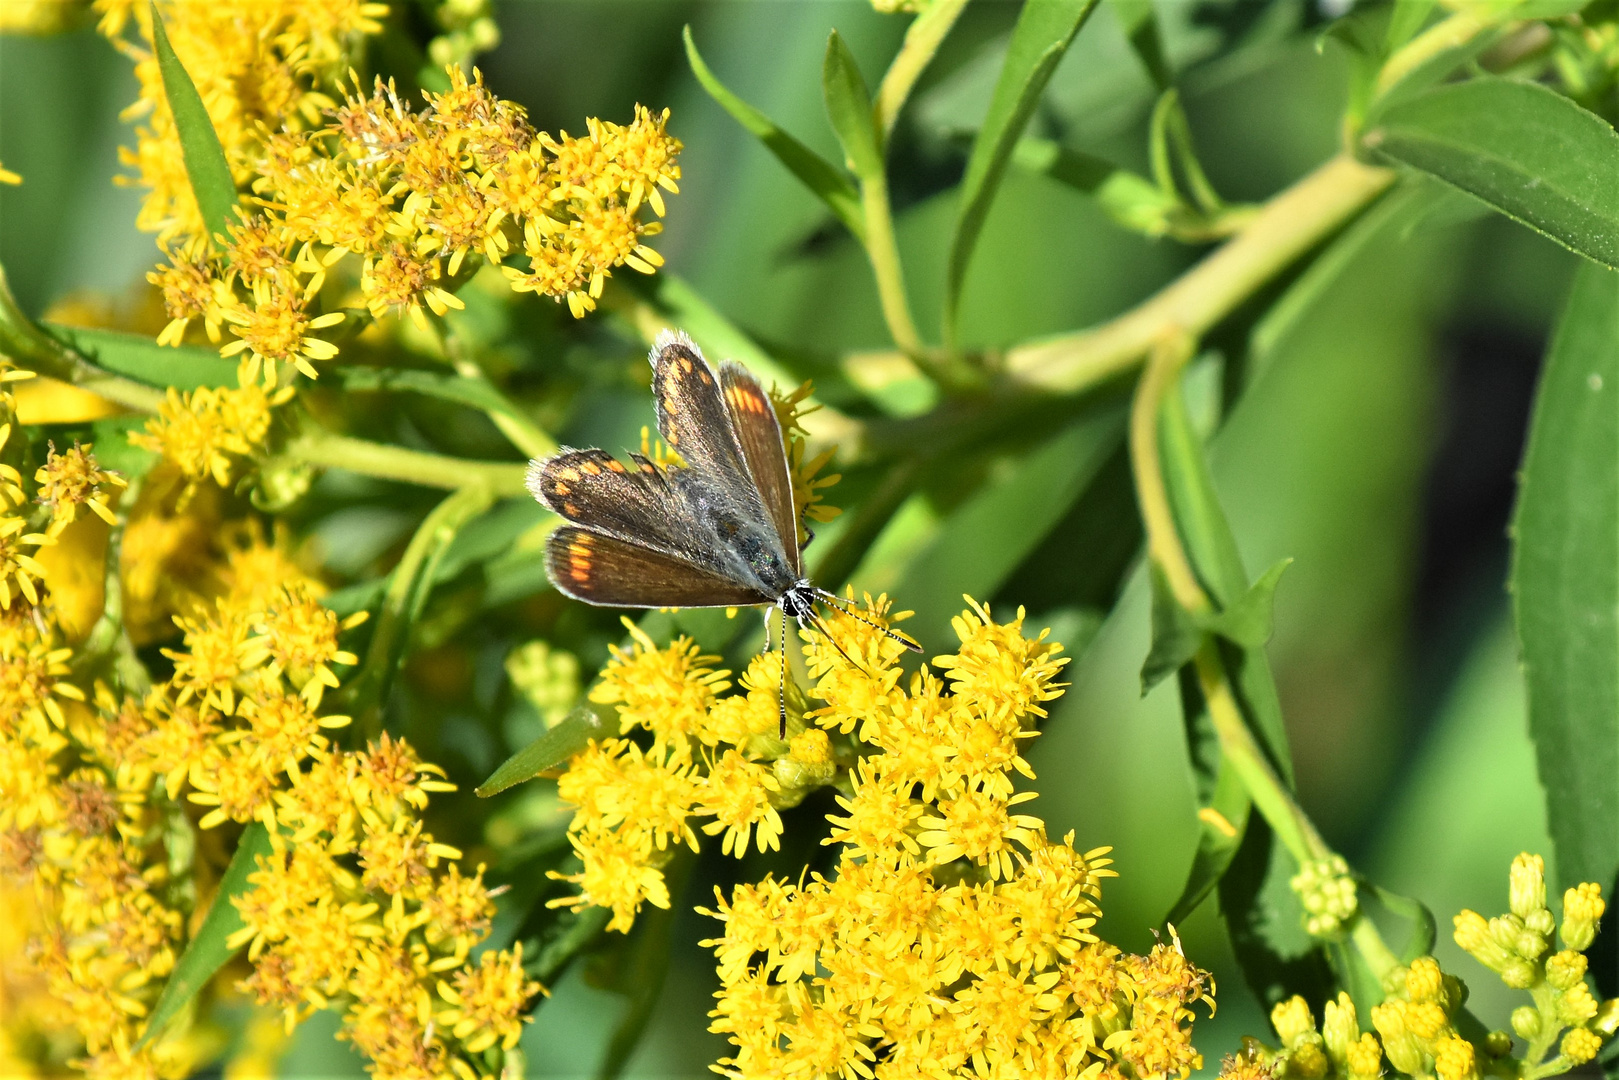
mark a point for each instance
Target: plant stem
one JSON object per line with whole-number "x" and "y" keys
{"x": 512, "y": 421}
{"x": 1448, "y": 33}
{"x": 1285, "y": 228}
{"x": 922, "y": 41}
{"x": 883, "y": 251}
{"x": 1158, "y": 517}
{"x": 398, "y": 463}
{"x": 26, "y": 344}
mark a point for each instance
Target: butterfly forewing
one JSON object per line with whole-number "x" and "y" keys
{"x": 602, "y": 570}
{"x": 692, "y": 416}
{"x": 633, "y": 503}
{"x": 759, "y": 433}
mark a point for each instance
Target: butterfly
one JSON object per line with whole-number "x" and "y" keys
{"x": 722, "y": 531}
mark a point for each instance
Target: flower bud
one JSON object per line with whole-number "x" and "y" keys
{"x": 1292, "y": 1020}
{"x": 1520, "y": 974}
{"x": 1425, "y": 981}
{"x": 1566, "y": 968}
{"x": 1530, "y": 945}
{"x": 1576, "y": 1005}
{"x": 1580, "y": 1046}
{"x": 1498, "y": 1044}
{"x": 1454, "y": 1060}
{"x": 1365, "y": 1058}
{"x": 1307, "y": 1060}
{"x": 1582, "y": 909}
{"x": 1526, "y": 1022}
{"x": 1542, "y": 922}
{"x": 1340, "y": 1028}
{"x": 1402, "y": 1049}
{"x": 1527, "y": 889}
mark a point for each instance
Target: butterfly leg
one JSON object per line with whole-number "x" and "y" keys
{"x": 781, "y": 700}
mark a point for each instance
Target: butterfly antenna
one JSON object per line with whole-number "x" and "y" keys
{"x": 847, "y": 607}
{"x": 820, "y": 627}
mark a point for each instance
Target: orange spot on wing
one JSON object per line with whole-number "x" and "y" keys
{"x": 567, "y": 474}
{"x": 560, "y": 489}
{"x": 685, "y": 364}
{"x": 592, "y": 468}
{"x": 570, "y": 509}
{"x": 616, "y": 466}
{"x": 647, "y": 468}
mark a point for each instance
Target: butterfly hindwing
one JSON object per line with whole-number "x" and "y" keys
{"x": 759, "y": 433}
{"x": 600, "y": 569}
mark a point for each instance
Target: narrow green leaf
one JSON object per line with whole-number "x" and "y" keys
{"x": 402, "y": 602}
{"x": 1044, "y": 30}
{"x": 470, "y": 392}
{"x": 813, "y": 171}
{"x": 1565, "y": 580}
{"x": 1213, "y": 551}
{"x": 1530, "y": 153}
{"x": 208, "y": 951}
{"x": 1223, "y": 809}
{"x": 1139, "y": 22}
{"x": 848, "y": 106}
{"x": 988, "y": 536}
{"x": 1176, "y": 635}
{"x": 204, "y": 155}
{"x": 1276, "y": 957}
{"x": 184, "y": 367}
{"x": 1130, "y": 199}
{"x": 1405, "y": 19}
{"x": 1248, "y": 621}
{"x": 547, "y": 752}
{"x": 1424, "y": 929}
{"x": 719, "y": 337}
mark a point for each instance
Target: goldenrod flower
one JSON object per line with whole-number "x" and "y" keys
{"x": 486, "y": 1001}
{"x": 207, "y": 431}
{"x": 68, "y": 481}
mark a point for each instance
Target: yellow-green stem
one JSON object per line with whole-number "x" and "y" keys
{"x": 1448, "y": 33}
{"x": 1283, "y": 229}
{"x": 1158, "y": 517}
{"x": 398, "y": 463}
{"x": 922, "y": 41}
{"x": 883, "y": 251}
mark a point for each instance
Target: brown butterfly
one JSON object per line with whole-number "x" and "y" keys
{"x": 720, "y": 532}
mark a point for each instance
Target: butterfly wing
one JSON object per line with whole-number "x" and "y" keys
{"x": 759, "y": 433}
{"x": 633, "y": 503}
{"x": 602, "y": 570}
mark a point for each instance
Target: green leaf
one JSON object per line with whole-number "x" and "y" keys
{"x": 814, "y": 171}
{"x": 1248, "y": 621}
{"x": 1140, "y": 25}
{"x": 1405, "y": 19}
{"x": 474, "y": 393}
{"x": 1276, "y": 958}
{"x": 1565, "y": 580}
{"x": 985, "y": 539}
{"x": 1177, "y": 634}
{"x": 1213, "y": 551}
{"x": 206, "y": 166}
{"x": 1424, "y": 929}
{"x": 1044, "y": 30}
{"x": 1222, "y": 816}
{"x": 548, "y": 751}
{"x": 184, "y": 367}
{"x": 402, "y": 602}
{"x": 848, "y": 106}
{"x": 1528, "y": 152}
{"x": 1130, "y": 199}
{"x": 207, "y": 952}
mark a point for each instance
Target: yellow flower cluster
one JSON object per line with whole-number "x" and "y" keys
{"x": 1517, "y": 947}
{"x": 20, "y": 539}
{"x": 258, "y": 65}
{"x": 352, "y": 906}
{"x": 210, "y": 432}
{"x": 1340, "y": 1049}
{"x": 807, "y": 481}
{"x": 77, "y": 822}
{"x": 953, "y": 938}
{"x": 357, "y": 906}
{"x": 1416, "y": 1026}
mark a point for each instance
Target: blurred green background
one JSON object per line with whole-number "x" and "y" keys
{"x": 1375, "y": 444}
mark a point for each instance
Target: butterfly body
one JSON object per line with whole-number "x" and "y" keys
{"x": 722, "y": 531}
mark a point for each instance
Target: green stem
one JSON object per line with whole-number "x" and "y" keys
{"x": 512, "y": 421}
{"x": 1280, "y": 232}
{"x": 1157, "y": 515}
{"x": 922, "y": 40}
{"x": 326, "y": 450}
{"x": 26, "y": 344}
{"x": 1457, "y": 29}
{"x": 883, "y": 251}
